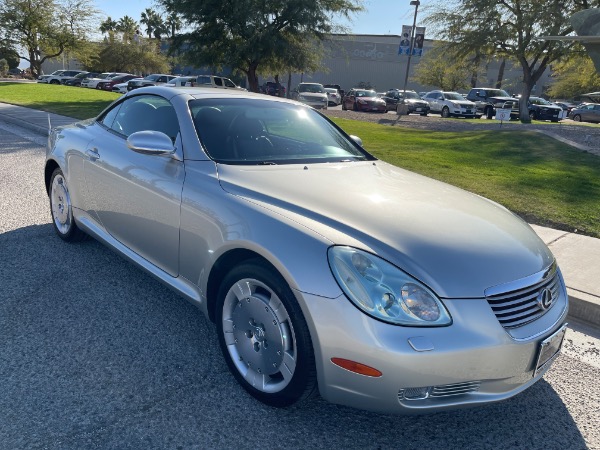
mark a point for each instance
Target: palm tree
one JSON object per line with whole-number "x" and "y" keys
{"x": 148, "y": 20}
{"x": 173, "y": 23}
{"x": 109, "y": 26}
{"x": 128, "y": 27}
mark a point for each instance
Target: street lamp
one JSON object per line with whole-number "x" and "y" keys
{"x": 416, "y": 4}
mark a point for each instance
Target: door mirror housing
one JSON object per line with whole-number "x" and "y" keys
{"x": 151, "y": 143}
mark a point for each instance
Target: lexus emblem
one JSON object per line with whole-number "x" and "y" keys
{"x": 544, "y": 298}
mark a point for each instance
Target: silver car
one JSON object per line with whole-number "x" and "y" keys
{"x": 322, "y": 267}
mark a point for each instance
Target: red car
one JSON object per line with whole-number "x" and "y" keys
{"x": 363, "y": 100}
{"x": 107, "y": 85}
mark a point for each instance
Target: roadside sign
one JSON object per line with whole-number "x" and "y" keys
{"x": 502, "y": 114}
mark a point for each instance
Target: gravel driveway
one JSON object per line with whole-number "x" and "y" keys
{"x": 584, "y": 137}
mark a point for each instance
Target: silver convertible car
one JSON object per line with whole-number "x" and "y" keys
{"x": 323, "y": 268}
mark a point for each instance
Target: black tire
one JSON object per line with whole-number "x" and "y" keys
{"x": 424, "y": 114}
{"x": 262, "y": 333}
{"x": 61, "y": 209}
{"x": 445, "y": 112}
{"x": 577, "y": 118}
{"x": 532, "y": 115}
{"x": 343, "y": 106}
{"x": 477, "y": 117}
{"x": 54, "y": 82}
{"x": 489, "y": 113}
{"x": 355, "y": 106}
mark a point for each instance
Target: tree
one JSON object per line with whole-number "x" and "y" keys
{"x": 109, "y": 27}
{"x": 3, "y": 67}
{"x": 512, "y": 28}
{"x": 172, "y": 24}
{"x": 441, "y": 67}
{"x": 11, "y": 56}
{"x": 574, "y": 76}
{"x": 154, "y": 23}
{"x": 252, "y": 33}
{"x": 128, "y": 27}
{"x": 121, "y": 56}
{"x": 45, "y": 28}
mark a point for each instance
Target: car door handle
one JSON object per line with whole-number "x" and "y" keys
{"x": 92, "y": 154}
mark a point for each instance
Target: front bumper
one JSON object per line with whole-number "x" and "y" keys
{"x": 472, "y": 362}
{"x": 372, "y": 107}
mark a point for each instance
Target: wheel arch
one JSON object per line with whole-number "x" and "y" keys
{"x": 222, "y": 266}
{"x": 49, "y": 169}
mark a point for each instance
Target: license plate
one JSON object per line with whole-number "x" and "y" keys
{"x": 375, "y": 108}
{"x": 549, "y": 349}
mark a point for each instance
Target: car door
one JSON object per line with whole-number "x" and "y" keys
{"x": 596, "y": 116}
{"x": 137, "y": 196}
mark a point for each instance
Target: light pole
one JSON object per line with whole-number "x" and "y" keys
{"x": 416, "y": 4}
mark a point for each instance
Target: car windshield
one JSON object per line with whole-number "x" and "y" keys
{"x": 453, "y": 96}
{"x": 497, "y": 93}
{"x": 82, "y": 75}
{"x": 152, "y": 77}
{"x": 366, "y": 94}
{"x": 311, "y": 88}
{"x": 539, "y": 101}
{"x": 263, "y": 132}
{"x": 413, "y": 95}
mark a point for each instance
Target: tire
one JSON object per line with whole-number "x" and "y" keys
{"x": 577, "y": 118}
{"x": 263, "y": 335}
{"x": 532, "y": 115}
{"x": 445, "y": 112}
{"x": 489, "y": 113}
{"x": 424, "y": 114}
{"x": 343, "y": 106}
{"x": 54, "y": 82}
{"x": 355, "y": 106}
{"x": 62, "y": 209}
{"x": 477, "y": 117}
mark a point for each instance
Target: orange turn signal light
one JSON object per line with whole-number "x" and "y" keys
{"x": 356, "y": 367}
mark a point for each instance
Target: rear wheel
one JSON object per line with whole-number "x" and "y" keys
{"x": 54, "y": 82}
{"x": 62, "y": 209}
{"x": 445, "y": 112}
{"x": 263, "y": 335}
{"x": 577, "y": 118}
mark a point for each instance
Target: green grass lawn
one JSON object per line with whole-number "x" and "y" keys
{"x": 544, "y": 181}
{"x": 80, "y": 103}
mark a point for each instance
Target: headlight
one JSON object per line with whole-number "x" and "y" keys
{"x": 383, "y": 291}
{"x": 455, "y": 105}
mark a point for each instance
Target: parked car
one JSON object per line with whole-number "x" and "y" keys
{"x": 16, "y": 72}
{"x": 322, "y": 267}
{"x": 312, "y": 94}
{"x": 156, "y": 79}
{"x": 334, "y": 96}
{"x": 180, "y": 81}
{"x": 56, "y": 76}
{"x": 213, "y": 81}
{"x": 93, "y": 82}
{"x": 121, "y": 88}
{"x": 77, "y": 79}
{"x": 450, "y": 104}
{"x": 363, "y": 100}
{"x": 586, "y": 112}
{"x": 273, "y": 88}
{"x": 487, "y": 100}
{"x": 542, "y": 109}
{"x": 107, "y": 85}
{"x": 413, "y": 103}
{"x": 336, "y": 86}
{"x": 566, "y": 107}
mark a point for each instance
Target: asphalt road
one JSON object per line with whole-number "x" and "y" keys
{"x": 96, "y": 354}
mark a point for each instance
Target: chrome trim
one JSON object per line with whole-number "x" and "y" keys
{"x": 522, "y": 283}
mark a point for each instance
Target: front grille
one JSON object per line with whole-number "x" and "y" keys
{"x": 519, "y": 307}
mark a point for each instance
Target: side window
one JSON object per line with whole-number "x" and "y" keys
{"x": 218, "y": 81}
{"x": 228, "y": 83}
{"x": 146, "y": 113}
{"x": 204, "y": 80}
{"x": 162, "y": 80}
{"x": 109, "y": 117}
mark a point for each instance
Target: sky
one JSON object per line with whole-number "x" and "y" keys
{"x": 379, "y": 17}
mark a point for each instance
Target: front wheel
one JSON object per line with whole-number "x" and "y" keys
{"x": 263, "y": 335}
{"x": 445, "y": 112}
{"x": 532, "y": 115}
{"x": 424, "y": 114}
{"x": 577, "y": 118}
{"x": 62, "y": 209}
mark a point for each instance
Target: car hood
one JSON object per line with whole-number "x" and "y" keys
{"x": 456, "y": 242}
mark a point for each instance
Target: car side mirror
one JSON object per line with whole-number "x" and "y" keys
{"x": 151, "y": 143}
{"x": 356, "y": 139}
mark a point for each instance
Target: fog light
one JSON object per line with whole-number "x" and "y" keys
{"x": 419, "y": 393}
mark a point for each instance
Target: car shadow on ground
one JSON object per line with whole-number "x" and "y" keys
{"x": 95, "y": 353}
